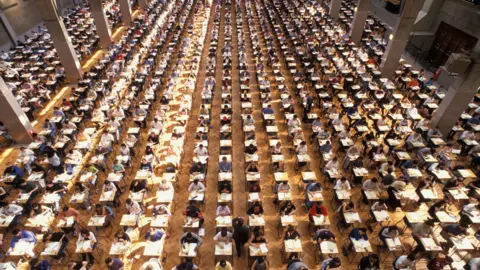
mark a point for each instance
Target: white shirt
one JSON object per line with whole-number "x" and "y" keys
{"x": 54, "y": 160}
{"x": 134, "y": 208}
{"x": 107, "y": 138}
{"x": 157, "y": 125}
{"x": 199, "y": 187}
{"x": 339, "y": 185}
{"x": 219, "y": 238}
{"x": 201, "y": 151}
{"x": 301, "y": 149}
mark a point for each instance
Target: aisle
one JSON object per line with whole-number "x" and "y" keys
{"x": 172, "y": 245}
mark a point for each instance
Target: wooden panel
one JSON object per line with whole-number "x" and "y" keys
{"x": 448, "y": 40}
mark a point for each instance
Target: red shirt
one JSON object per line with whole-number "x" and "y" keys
{"x": 323, "y": 210}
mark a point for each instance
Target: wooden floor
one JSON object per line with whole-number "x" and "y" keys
{"x": 207, "y": 258}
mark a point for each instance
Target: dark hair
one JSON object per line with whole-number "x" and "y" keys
{"x": 33, "y": 261}
{"x": 108, "y": 260}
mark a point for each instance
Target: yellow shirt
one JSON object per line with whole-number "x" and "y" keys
{"x": 227, "y": 267}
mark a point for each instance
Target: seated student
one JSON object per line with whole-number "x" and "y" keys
{"x": 133, "y": 207}
{"x": 197, "y": 168}
{"x": 224, "y": 165}
{"x": 312, "y": 188}
{"x": 260, "y": 264}
{"x": 295, "y": 263}
{"x": 291, "y": 233}
{"x": 24, "y": 235}
{"x": 223, "y": 210}
{"x": 11, "y": 209}
{"x": 139, "y": 186}
{"x": 342, "y": 184}
{"x": 322, "y": 234}
{"x": 121, "y": 236}
{"x": 186, "y": 264}
{"x": 37, "y": 264}
{"x": 154, "y": 234}
{"x": 318, "y": 210}
{"x": 254, "y": 187}
{"x": 153, "y": 138}
{"x": 251, "y": 167}
{"x": 86, "y": 235}
{"x": 66, "y": 213}
{"x": 165, "y": 185}
{"x": 440, "y": 262}
{"x": 200, "y": 136}
{"x": 192, "y": 211}
{"x": 257, "y": 238}
{"x": 226, "y": 110}
{"x": 345, "y": 208}
{"x": 191, "y": 238}
{"x": 255, "y": 209}
{"x": 288, "y": 208}
{"x": 388, "y": 232}
{"x": 223, "y": 265}
{"x": 145, "y": 165}
{"x": 422, "y": 230}
{"x": 114, "y": 263}
{"x": 331, "y": 263}
{"x": 369, "y": 262}
{"x": 104, "y": 211}
{"x": 223, "y": 237}
{"x": 251, "y": 149}
{"x": 196, "y": 186}
{"x": 404, "y": 262}
{"x": 57, "y": 237}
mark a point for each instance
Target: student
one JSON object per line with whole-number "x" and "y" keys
{"x": 36, "y": 264}
{"x": 388, "y": 232}
{"x": 331, "y": 263}
{"x": 369, "y": 262}
{"x": 114, "y": 263}
{"x": 84, "y": 236}
{"x": 405, "y": 262}
{"x": 440, "y": 263}
{"x": 191, "y": 238}
{"x": 260, "y": 264}
{"x": 223, "y": 237}
{"x": 223, "y": 265}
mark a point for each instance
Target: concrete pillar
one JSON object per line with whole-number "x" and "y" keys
{"x": 458, "y": 96}
{"x": 334, "y": 10}
{"x": 101, "y": 22}
{"x": 13, "y": 116}
{"x": 126, "y": 11}
{"x": 399, "y": 39}
{"x": 61, "y": 39}
{"x": 143, "y": 4}
{"x": 8, "y": 27}
{"x": 359, "y": 19}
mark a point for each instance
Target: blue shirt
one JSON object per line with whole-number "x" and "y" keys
{"x": 157, "y": 235}
{"x": 15, "y": 170}
{"x": 26, "y": 236}
{"x": 355, "y": 234}
{"x": 43, "y": 265}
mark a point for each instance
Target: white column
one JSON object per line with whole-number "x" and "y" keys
{"x": 13, "y": 116}
{"x": 334, "y": 10}
{"x": 143, "y": 4}
{"x": 359, "y": 19}
{"x": 126, "y": 11}
{"x": 8, "y": 27}
{"x": 101, "y": 22}
{"x": 396, "y": 46}
{"x": 458, "y": 96}
{"x": 61, "y": 39}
